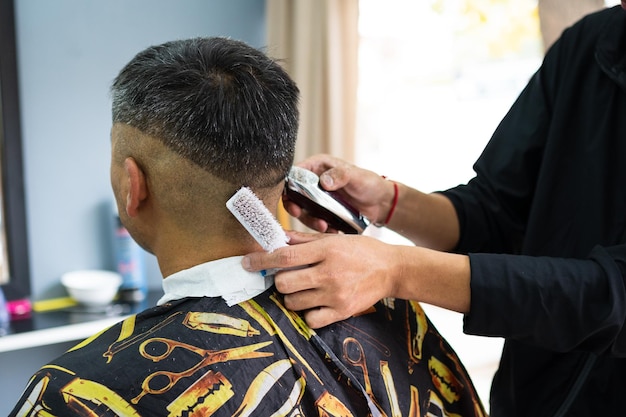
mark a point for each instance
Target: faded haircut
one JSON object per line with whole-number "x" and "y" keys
{"x": 217, "y": 102}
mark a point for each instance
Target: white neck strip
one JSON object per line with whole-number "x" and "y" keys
{"x": 224, "y": 278}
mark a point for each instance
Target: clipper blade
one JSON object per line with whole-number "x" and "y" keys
{"x": 257, "y": 219}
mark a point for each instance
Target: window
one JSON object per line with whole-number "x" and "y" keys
{"x": 435, "y": 78}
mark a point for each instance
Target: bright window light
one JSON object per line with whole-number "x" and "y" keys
{"x": 435, "y": 79}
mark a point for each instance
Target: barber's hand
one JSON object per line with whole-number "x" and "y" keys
{"x": 346, "y": 274}
{"x": 364, "y": 190}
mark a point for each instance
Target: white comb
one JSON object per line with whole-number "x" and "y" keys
{"x": 257, "y": 219}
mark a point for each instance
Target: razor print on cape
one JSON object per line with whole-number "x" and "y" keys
{"x": 259, "y": 359}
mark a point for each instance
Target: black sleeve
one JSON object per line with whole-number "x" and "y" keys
{"x": 555, "y": 303}
{"x": 493, "y": 207}
{"x": 575, "y": 299}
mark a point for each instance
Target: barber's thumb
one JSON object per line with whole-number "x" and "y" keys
{"x": 327, "y": 181}
{"x": 335, "y": 178}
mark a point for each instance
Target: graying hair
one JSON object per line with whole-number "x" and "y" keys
{"x": 217, "y": 102}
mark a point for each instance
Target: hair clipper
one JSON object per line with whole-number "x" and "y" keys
{"x": 303, "y": 188}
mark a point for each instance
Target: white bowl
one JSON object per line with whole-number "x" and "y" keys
{"x": 92, "y": 287}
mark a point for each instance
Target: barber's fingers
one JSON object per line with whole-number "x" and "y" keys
{"x": 329, "y": 277}
{"x": 292, "y": 208}
{"x": 296, "y": 211}
{"x": 320, "y": 163}
{"x": 315, "y": 223}
{"x": 321, "y": 302}
{"x": 303, "y": 291}
{"x": 362, "y": 188}
{"x": 334, "y": 173}
{"x": 323, "y": 316}
{"x": 292, "y": 256}
{"x": 318, "y": 317}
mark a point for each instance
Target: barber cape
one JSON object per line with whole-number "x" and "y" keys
{"x": 194, "y": 355}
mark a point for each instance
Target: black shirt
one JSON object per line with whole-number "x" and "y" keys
{"x": 544, "y": 222}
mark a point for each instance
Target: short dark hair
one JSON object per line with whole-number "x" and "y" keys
{"x": 218, "y": 102}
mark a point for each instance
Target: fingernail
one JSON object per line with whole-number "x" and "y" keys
{"x": 245, "y": 263}
{"x": 326, "y": 180}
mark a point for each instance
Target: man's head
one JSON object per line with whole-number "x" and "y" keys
{"x": 193, "y": 121}
{"x": 217, "y": 102}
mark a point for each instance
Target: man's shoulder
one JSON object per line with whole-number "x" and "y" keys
{"x": 593, "y": 26}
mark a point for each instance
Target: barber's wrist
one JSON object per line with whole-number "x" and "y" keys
{"x": 388, "y": 203}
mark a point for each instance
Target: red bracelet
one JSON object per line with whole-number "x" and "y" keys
{"x": 394, "y": 203}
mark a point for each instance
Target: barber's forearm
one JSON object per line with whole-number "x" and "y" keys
{"x": 438, "y": 278}
{"x": 428, "y": 220}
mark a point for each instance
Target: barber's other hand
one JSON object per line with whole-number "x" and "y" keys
{"x": 346, "y": 274}
{"x": 364, "y": 190}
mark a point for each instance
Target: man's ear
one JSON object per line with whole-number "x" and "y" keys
{"x": 138, "y": 188}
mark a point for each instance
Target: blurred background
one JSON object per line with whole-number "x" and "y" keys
{"x": 411, "y": 89}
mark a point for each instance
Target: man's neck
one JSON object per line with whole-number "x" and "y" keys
{"x": 177, "y": 256}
